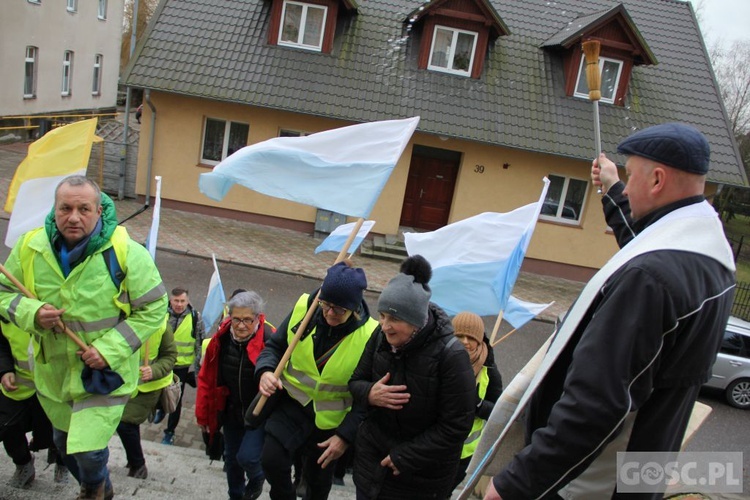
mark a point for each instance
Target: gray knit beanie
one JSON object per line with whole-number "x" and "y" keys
{"x": 407, "y": 296}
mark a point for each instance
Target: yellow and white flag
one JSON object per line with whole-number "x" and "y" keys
{"x": 61, "y": 152}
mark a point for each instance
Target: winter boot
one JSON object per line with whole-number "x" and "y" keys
{"x": 23, "y": 476}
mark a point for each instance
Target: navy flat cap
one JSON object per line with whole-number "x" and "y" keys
{"x": 674, "y": 144}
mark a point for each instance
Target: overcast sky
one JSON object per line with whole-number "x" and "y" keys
{"x": 723, "y": 20}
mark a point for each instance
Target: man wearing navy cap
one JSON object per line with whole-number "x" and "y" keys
{"x": 629, "y": 359}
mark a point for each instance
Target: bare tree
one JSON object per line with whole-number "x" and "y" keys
{"x": 146, "y": 9}
{"x": 732, "y": 69}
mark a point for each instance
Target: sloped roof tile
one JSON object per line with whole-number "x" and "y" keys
{"x": 218, "y": 49}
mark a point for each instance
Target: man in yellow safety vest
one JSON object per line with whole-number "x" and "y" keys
{"x": 63, "y": 267}
{"x": 189, "y": 331}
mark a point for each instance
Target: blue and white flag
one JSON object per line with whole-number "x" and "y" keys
{"x": 518, "y": 312}
{"x": 153, "y": 234}
{"x": 475, "y": 262}
{"x": 215, "y": 299}
{"x": 337, "y": 239}
{"x": 342, "y": 170}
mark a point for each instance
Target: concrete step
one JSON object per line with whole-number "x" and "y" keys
{"x": 174, "y": 473}
{"x": 384, "y": 248}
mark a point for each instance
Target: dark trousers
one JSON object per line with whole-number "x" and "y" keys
{"x": 277, "y": 465}
{"x": 16, "y": 419}
{"x": 16, "y": 445}
{"x": 174, "y": 417}
{"x": 130, "y": 435}
{"x": 242, "y": 450}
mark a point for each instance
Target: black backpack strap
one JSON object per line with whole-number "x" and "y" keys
{"x": 113, "y": 266}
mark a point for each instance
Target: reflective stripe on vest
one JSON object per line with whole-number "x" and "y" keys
{"x": 328, "y": 390}
{"x": 472, "y": 440}
{"x": 185, "y": 342}
{"x": 20, "y": 348}
{"x": 153, "y": 343}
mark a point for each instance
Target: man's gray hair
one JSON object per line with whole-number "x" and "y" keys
{"x": 80, "y": 180}
{"x": 248, "y": 300}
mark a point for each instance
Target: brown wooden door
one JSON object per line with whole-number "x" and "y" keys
{"x": 429, "y": 192}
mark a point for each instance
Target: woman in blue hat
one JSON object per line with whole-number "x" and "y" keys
{"x": 314, "y": 414}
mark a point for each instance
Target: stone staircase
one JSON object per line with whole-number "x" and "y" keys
{"x": 174, "y": 473}
{"x": 389, "y": 247}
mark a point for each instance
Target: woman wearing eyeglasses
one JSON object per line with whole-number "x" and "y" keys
{"x": 314, "y": 415}
{"x": 226, "y": 387}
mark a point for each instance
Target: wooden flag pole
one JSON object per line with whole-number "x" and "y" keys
{"x": 496, "y": 328}
{"x": 306, "y": 320}
{"x": 594, "y": 80}
{"x": 80, "y": 343}
{"x": 504, "y": 337}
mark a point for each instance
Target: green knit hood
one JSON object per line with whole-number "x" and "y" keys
{"x": 109, "y": 223}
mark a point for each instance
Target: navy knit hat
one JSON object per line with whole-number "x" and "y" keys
{"x": 343, "y": 286}
{"x": 676, "y": 145}
{"x": 407, "y": 296}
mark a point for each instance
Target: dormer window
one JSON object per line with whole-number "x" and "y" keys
{"x": 611, "y": 69}
{"x": 452, "y": 50}
{"x": 308, "y": 24}
{"x": 622, "y": 47}
{"x": 454, "y": 35}
{"x": 303, "y": 25}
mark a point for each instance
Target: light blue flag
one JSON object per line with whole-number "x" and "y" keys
{"x": 337, "y": 239}
{"x": 342, "y": 170}
{"x": 475, "y": 262}
{"x": 215, "y": 299}
{"x": 518, "y": 312}
{"x": 153, "y": 234}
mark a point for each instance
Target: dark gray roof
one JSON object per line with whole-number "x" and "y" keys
{"x": 217, "y": 49}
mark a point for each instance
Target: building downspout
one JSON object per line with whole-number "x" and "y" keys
{"x": 152, "y": 132}
{"x": 147, "y": 100}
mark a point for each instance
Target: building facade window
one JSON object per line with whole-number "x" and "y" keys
{"x": 29, "y": 79}
{"x": 221, "y": 138}
{"x": 611, "y": 70}
{"x": 102, "y": 10}
{"x": 452, "y": 50}
{"x": 72, "y": 5}
{"x": 302, "y": 25}
{"x": 96, "y": 83}
{"x": 565, "y": 199}
{"x": 67, "y": 72}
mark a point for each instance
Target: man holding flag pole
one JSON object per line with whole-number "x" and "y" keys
{"x": 59, "y": 284}
{"x": 625, "y": 367}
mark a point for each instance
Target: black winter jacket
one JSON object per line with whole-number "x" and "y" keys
{"x": 643, "y": 349}
{"x": 424, "y": 439}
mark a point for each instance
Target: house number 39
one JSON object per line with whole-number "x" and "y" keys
{"x": 479, "y": 169}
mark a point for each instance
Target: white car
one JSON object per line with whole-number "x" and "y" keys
{"x": 731, "y": 370}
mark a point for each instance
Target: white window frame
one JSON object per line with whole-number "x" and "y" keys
{"x": 225, "y": 145}
{"x": 32, "y": 57}
{"x": 101, "y": 11}
{"x": 72, "y": 5}
{"x": 450, "y": 56}
{"x": 301, "y": 35}
{"x": 561, "y": 202}
{"x": 96, "y": 83}
{"x": 582, "y": 75}
{"x": 67, "y": 73}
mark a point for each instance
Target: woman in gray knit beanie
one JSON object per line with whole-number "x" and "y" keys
{"x": 418, "y": 385}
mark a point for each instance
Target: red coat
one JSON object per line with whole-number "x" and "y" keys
{"x": 211, "y": 398}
